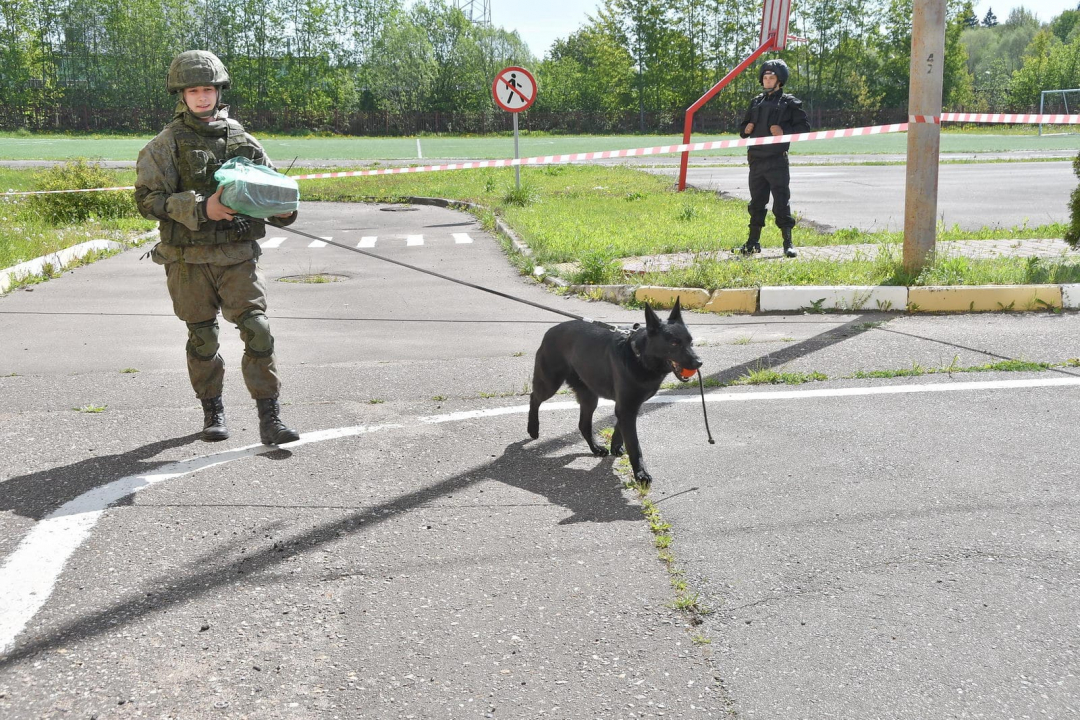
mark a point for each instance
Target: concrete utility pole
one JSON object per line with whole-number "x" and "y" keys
{"x": 924, "y": 139}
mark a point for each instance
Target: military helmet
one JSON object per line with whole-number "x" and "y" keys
{"x": 196, "y": 68}
{"x": 778, "y": 67}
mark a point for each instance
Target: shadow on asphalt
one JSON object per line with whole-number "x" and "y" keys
{"x": 37, "y": 494}
{"x": 539, "y": 467}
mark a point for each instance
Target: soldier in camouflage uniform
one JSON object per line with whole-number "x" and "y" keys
{"x": 208, "y": 252}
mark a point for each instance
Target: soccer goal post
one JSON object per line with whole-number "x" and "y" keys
{"x": 1058, "y": 102}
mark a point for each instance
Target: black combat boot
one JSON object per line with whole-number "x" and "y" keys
{"x": 271, "y": 430}
{"x": 789, "y": 251}
{"x": 214, "y": 420}
{"x": 752, "y": 244}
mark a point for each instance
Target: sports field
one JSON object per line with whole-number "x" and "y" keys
{"x": 284, "y": 149}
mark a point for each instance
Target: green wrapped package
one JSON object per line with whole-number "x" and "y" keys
{"x": 256, "y": 190}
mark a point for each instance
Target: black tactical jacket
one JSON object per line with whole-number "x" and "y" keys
{"x": 767, "y": 110}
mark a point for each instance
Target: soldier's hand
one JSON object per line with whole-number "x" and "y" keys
{"x": 749, "y": 128}
{"x": 215, "y": 210}
{"x": 776, "y": 130}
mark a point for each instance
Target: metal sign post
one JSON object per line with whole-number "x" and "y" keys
{"x": 514, "y": 90}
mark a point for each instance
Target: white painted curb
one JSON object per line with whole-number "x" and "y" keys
{"x": 1070, "y": 297}
{"x": 840, "y": 297}
{"x": 62, "y": 258}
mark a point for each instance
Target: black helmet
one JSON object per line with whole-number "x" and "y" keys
{"x": 778, "y": 67}
{"x": 196, "y": 68}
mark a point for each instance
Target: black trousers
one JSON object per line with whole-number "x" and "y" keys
{"x": 770, "y": 175}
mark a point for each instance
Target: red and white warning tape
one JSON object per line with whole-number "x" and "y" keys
{"x": 52, "y": 192}
{"x": 664, "y": 149}
{"x": 1005, "y": 118}
{"x": 635, "y": 152}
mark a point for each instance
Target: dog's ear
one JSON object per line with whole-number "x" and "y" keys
{"x": 676, "y": 313}
{"x": 652, "y": 323}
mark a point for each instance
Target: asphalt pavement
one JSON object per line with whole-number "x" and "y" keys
{"x": 867, "y": 546}
{"x": 871, "y": 197}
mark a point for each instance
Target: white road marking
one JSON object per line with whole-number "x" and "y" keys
{"x": 461, "y": 238}
{"x": 367, "y": 242}
{"x": 414, "y": 240}
{"x": 320, "y": 243}
{"x": 31, "y": 571}
{"x": 272, "y": 242}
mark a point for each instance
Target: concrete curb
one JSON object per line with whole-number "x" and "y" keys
{"x": 812, "y": 298}
{"x": 63, "y": 258}
{"x": 817, "y": 298}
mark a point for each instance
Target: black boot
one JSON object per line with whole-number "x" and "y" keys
{"x": 271, "y": 430}
{"x": 214, "y": 420}
{"x": 752, "y": 244}
{"x": 789, "y": 251}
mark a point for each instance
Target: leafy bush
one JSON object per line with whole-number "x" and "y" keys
{"x": 67, "y": 208}
{"x": 1072, "y": 233}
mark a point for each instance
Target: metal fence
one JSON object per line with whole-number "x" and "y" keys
{"x": 83, "y": 118}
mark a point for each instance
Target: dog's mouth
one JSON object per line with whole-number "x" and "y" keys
{"x": 684, "y": 374}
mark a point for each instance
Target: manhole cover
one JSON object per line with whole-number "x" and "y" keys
{"x": 399, "y": 208}
{"x": 314, "y": 278}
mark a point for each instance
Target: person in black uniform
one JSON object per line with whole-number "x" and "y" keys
{"x": 773, "y": 112}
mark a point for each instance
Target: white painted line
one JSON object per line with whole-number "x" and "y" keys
{"x": 31, "y": 571}
{"x": 367, "y": 242}
{"x": 29, "y": 574}
{"x": 320, "y": 243}
{"x": 462, "y": 238}
{"x": 414, "y": 240}
{"x": 272, "y": 242}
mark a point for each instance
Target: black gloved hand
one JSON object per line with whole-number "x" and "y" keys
{"x": 241, "y": 224}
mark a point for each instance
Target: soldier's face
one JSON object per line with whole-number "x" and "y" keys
{"x": 201, "y": 101}
{"x": 768, "y": 80}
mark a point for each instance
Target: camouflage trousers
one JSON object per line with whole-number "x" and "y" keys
{"x": 199, "y": 291}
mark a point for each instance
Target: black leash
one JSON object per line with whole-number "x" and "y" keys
{"x": 609, "y": 326}
{"x": 704, "y": 412}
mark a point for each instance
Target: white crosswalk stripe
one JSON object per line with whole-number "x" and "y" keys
{"x": 369, "y": 241}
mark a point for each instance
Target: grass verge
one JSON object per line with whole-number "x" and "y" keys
{"x": 36, "y": 226}
{"x": 593, "y": 216}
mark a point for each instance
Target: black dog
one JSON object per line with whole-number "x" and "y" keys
{"x": 597, "y": 362}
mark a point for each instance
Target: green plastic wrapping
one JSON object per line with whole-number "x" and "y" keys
{"x": 256, "y": 190}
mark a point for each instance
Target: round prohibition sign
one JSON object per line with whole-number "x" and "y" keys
{"x": 514, "y": 89}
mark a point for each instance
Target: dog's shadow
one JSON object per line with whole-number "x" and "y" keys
{"x": 563, "y": 470}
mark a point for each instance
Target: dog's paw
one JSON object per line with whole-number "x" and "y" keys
{"x": 534, "y": 430}
{"x": 642, "y": 476}
{"x": 617, "y": 450}
{"x": 599, "y": 451}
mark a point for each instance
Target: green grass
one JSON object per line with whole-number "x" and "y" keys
{"x": 595, "y": 215}
{"x": 24, "y": 235}
{"x": 283, "y": 148}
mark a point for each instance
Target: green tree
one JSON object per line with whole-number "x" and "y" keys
{"x": 990, "y": 20}
{"x": 1049, "y": 64}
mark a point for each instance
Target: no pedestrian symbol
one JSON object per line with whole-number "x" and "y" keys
{"x": 514, "y": 89}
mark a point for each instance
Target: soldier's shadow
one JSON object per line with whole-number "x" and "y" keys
{"x": 37, "y": 494}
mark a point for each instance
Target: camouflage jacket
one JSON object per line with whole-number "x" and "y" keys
{"x": 175, "y": 177}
